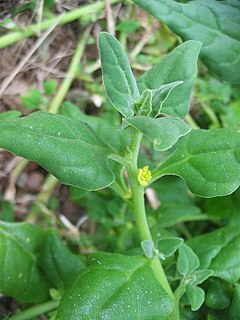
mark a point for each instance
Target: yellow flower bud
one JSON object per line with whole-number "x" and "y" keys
{"x": 144, "y": 176}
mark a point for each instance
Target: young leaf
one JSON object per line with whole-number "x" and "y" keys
{"x": 199, "y": 276}
{"x": 208, "y": 160}
{"x": 148, "y": 247}
{"x": 163, "y": 132}
{"x": 160, "y": 95}
{"x": 120, "y": 84}
{"x": 187, "y": 260}
{"x": 10, "y": 115}
{"x": 195, "y": 295}
{"x": 205, "y": 21}
{"x": 114, "y": 286}
{"x": 179, "y": 65}
{"x": 219, "y": 251}
{"x": 143, "y": 106}
{"x": 21, "y": 277}
{"x": 65, "y": 147}
{"x": 167, "y": 246}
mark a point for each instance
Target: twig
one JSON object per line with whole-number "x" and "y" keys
{"x": 109, "y": 16}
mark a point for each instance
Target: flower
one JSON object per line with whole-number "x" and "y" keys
{"x": 144, "y": 176}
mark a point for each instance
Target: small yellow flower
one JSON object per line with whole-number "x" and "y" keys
{"x": 144, "y": 176}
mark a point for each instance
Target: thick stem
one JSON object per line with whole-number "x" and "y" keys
{"x": 137, "y": 206}
{"x": 35, "y": 311}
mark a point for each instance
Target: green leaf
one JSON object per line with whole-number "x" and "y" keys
{"x": 199, "y": 276}
{"x": 234, "y": 310}
{"x": 163, "y": 132}
{"x": 167, "y": 246}
{"x": 50, "y": 87}
{"x": 32, "y": 100}
{"x": 148, "y": 248}
{"x": 179, "y": 65}
{"x": 208, "y": 160}
{"x": 220, "y": 252}
{"x": 187, "y": 260}
{"x": 10, "y": 115}
{"x": 21, "y": 277}
{"x": 215, "y": 23}
{"x": 143, "y": 106}
{"x": 120, "y": 84}
{"x": 114, "y": 286}
{"x": 65, "y": 147}
{"x": 104, "y": 130}
{"x": 128, "y": 26}
{"x": 195, "y": 295}
{"x": 218, "y": 294}
{"x": 60, "y": 265}
{"x": 160, "y": 95}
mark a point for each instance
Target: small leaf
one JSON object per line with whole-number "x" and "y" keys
{"x": 187, "y": 260}
{"x": 167, "y": 246}
{"x": 50, "y": 87}
{"x": 160, "y": 95}
{"x": 10, "y": 115}
{"x": 163, "y": 132}
{"x": 199, "y": 276}
{"x": 32, "y": 100}
{"x": 179, "y": 65}
{"x": 196, "y": 296}
{"x": 148, "y": 247}
{"x": 205, "y": 21}
{"x": 114, "y": 286}
{"x": 208, "y": 160}
{"x": 120, "y": 84}
{"x": 65, "y": 147}
{"x": 143, "y": 106}
{"x": 219, "y": 251}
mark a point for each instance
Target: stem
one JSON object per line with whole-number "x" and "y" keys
{"x": 137, "y": 206}
{"x": 71, "y": 73}
{"x": 33, "y": 30}
{"x": 35, "y": 311}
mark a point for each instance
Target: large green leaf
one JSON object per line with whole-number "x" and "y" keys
{"x": 65, "y": 147}
{"x": 215, "y": 23}
{"x": 60, "y": 265}
{"x": 208, "y": 160}
{"x": 163, "y": 132}
{"x": 179, "y": 65}
{"x": 120, "y": 84}
{"x": 220, "y": 252}
{"x": 21, "y": 276}
{"x": 116, "y": 287}
{"x": 32, "y": 261}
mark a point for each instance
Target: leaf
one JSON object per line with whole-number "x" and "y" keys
{"x": 208, "y": 160}
{"x": 187, "y": 260}
{"x": 163, "y": 132}
{"x": 143, "y": 106}
{"x": 21, "y": 276}
{"x": 199, "y": 276}
{"x": 65, "y": 147}
{"x": 220, "y": 252}
{"x": 167, "y": 246}
{"x": 148, "y": 248}
{"x": 215, "y": 23}
{"x": 160, "y": 95}
{"x": 32, "y": 100}
{"x": 50, "y": 87}
{"x": 196, "y": 296}
{"x": 104, "y": 130}
{"x": 120, "y": 84}
{"x": 10, "y": 115}
{"x": 60, "y": 265}
{"x": 234, "y": 310}
{"x": 114, "y": 286}
{"x": 179, "y": 65}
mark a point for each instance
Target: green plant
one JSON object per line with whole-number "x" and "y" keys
{"x": 164, "y": 273}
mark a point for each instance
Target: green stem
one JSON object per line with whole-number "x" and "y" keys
{"x": 35, "y": 311}
{"x": 71, "y": 73}
{"x": 33, "y": 30}
{"x": 137, "y": 206}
